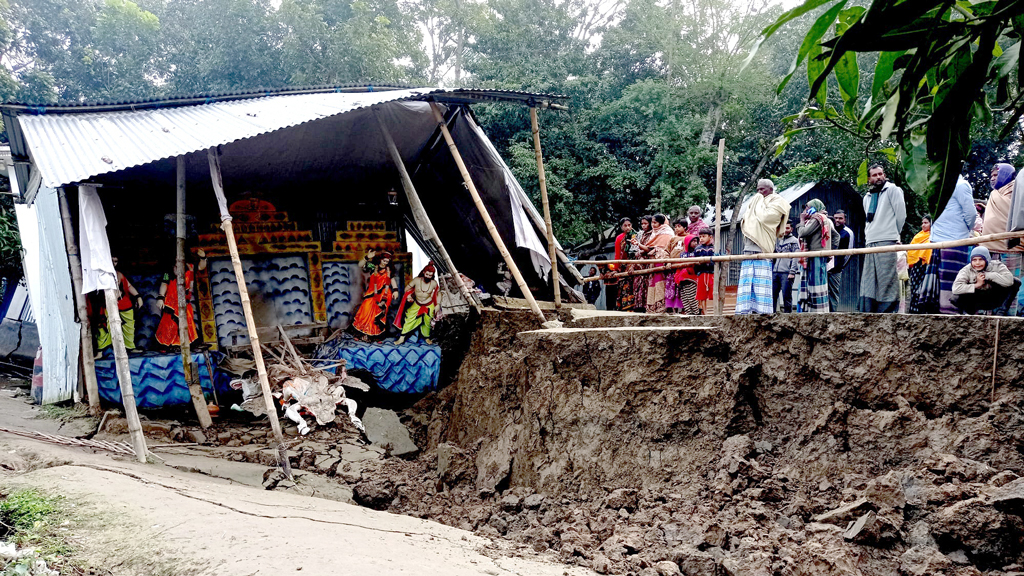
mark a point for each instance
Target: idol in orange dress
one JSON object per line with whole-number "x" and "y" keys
{"x": 371, "y": 318}
{"x": 167, "y": 331}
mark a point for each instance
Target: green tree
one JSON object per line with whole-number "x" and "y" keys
{"x": 938, "y": 65}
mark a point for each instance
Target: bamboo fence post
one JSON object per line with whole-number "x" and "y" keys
{"x": 419, "y": 213}
{"x": 124, "y": 376}
{"x": 250, "y": 323}
{"x": 555, "y": 284}
{"x": 718, "y": 293}
{"x": 195, "y": 388}
{"x": 75, "y": 261}
{"x": 486, "y": 217}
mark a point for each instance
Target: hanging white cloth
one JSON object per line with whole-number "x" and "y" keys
{"x": 97, "y": 266}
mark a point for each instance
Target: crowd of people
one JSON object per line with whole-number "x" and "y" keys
{"x": 985, "y": 278}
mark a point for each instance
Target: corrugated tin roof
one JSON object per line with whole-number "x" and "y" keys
{"x": 74, "y": 145}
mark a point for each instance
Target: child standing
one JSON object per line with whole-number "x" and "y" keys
{"x": 686, "y": 279}
{"x": 705, "y": 271}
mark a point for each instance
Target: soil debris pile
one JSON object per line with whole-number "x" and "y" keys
{"x": 761, "y": 445}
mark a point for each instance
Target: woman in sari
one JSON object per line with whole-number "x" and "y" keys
{"x": 816, "y": 231}
{"x": 658, "y": 247}
{"x": 917, "y": 263}
{"x": 641, "y": 281}
{"x": 625, "y": 250}
{"x": 371, "y": 318}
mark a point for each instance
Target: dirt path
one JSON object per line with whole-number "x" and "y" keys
{"x": 155, "y": 519}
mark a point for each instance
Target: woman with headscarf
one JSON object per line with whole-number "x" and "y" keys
{"x": 658, "y": 247}
{"x": 816, "y": 231}
{"x": 917, "y": 263}
{"x": 997, "y": 214}
{"x": 641, "y": 281}
{"x": 625, "y": 250}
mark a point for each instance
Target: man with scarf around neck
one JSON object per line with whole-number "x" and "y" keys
{"x": 762, "y": 225}
{"x": 885, "y": 214}
{"x": 984, "y": 284}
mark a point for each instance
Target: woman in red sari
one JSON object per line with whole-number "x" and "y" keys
{"x": 371, "y": 318}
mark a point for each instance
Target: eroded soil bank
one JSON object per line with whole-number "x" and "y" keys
{"x": 836, "y": 444}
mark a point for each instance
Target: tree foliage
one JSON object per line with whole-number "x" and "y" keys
{"x": 652, "y": 85}
{"x": 939, "y": 67}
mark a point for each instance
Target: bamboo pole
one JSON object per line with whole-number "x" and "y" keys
{"x": 486, "y": 217}
{"x": 675, "y": 263}
{"x": 75, "y": 261}
{"x": 195, "y": 389}
{"x": 819, "y": 253}
{"x": 419, "y": 213}
{"x": 555, "y": 284}
{"x": 718, "y": 293}
{"x": 250, "y": 323}
{"x": 124, "y": 376}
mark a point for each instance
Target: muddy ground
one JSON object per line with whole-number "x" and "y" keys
{"x": 837, "y": 444}
{"x": 634, "y": 444}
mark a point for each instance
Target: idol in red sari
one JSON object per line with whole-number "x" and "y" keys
{"x": 371, "y": 318}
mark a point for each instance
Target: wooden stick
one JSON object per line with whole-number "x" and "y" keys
{"x": 486, "y": 217}
{"x": 92, "y": 389}
{"x": 288, "y": 346}
{"x": 717, "y": 293}
{"x": 124, "y": 376}
{"x": 419, "y": 215}
{"x": 195, "y": 389}
{"x": 250, "y": 322}
{"x": 674, "y": 263}
{"x": 555, "y": 284}
{"x": 995, "y": 357}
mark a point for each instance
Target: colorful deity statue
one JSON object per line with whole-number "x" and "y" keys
{"x": 167, "y": 331}
{"x": 419, "y": 305}
{"x": 371, "y": 318}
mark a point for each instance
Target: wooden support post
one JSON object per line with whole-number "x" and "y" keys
{"x": 92, "y": 389}
{"x": 718, "y": 293}
{"x": 486, "y": 217}
{"x": 555, "y": 284}
{"x": 419, "y": 213}
{"x": 195, "y": 388}
{"x": 124, "y": 375}
{"x": 250, "y": 322}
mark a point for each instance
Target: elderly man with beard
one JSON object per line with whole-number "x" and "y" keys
{"x": 885, "y": 214}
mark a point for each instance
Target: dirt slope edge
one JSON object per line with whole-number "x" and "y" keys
{"x": 837, "y": 444}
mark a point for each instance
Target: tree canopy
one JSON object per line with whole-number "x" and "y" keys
{"x": 652, "y": 84}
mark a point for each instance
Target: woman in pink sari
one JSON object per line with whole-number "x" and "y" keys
{"x": 658, "y": 247}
